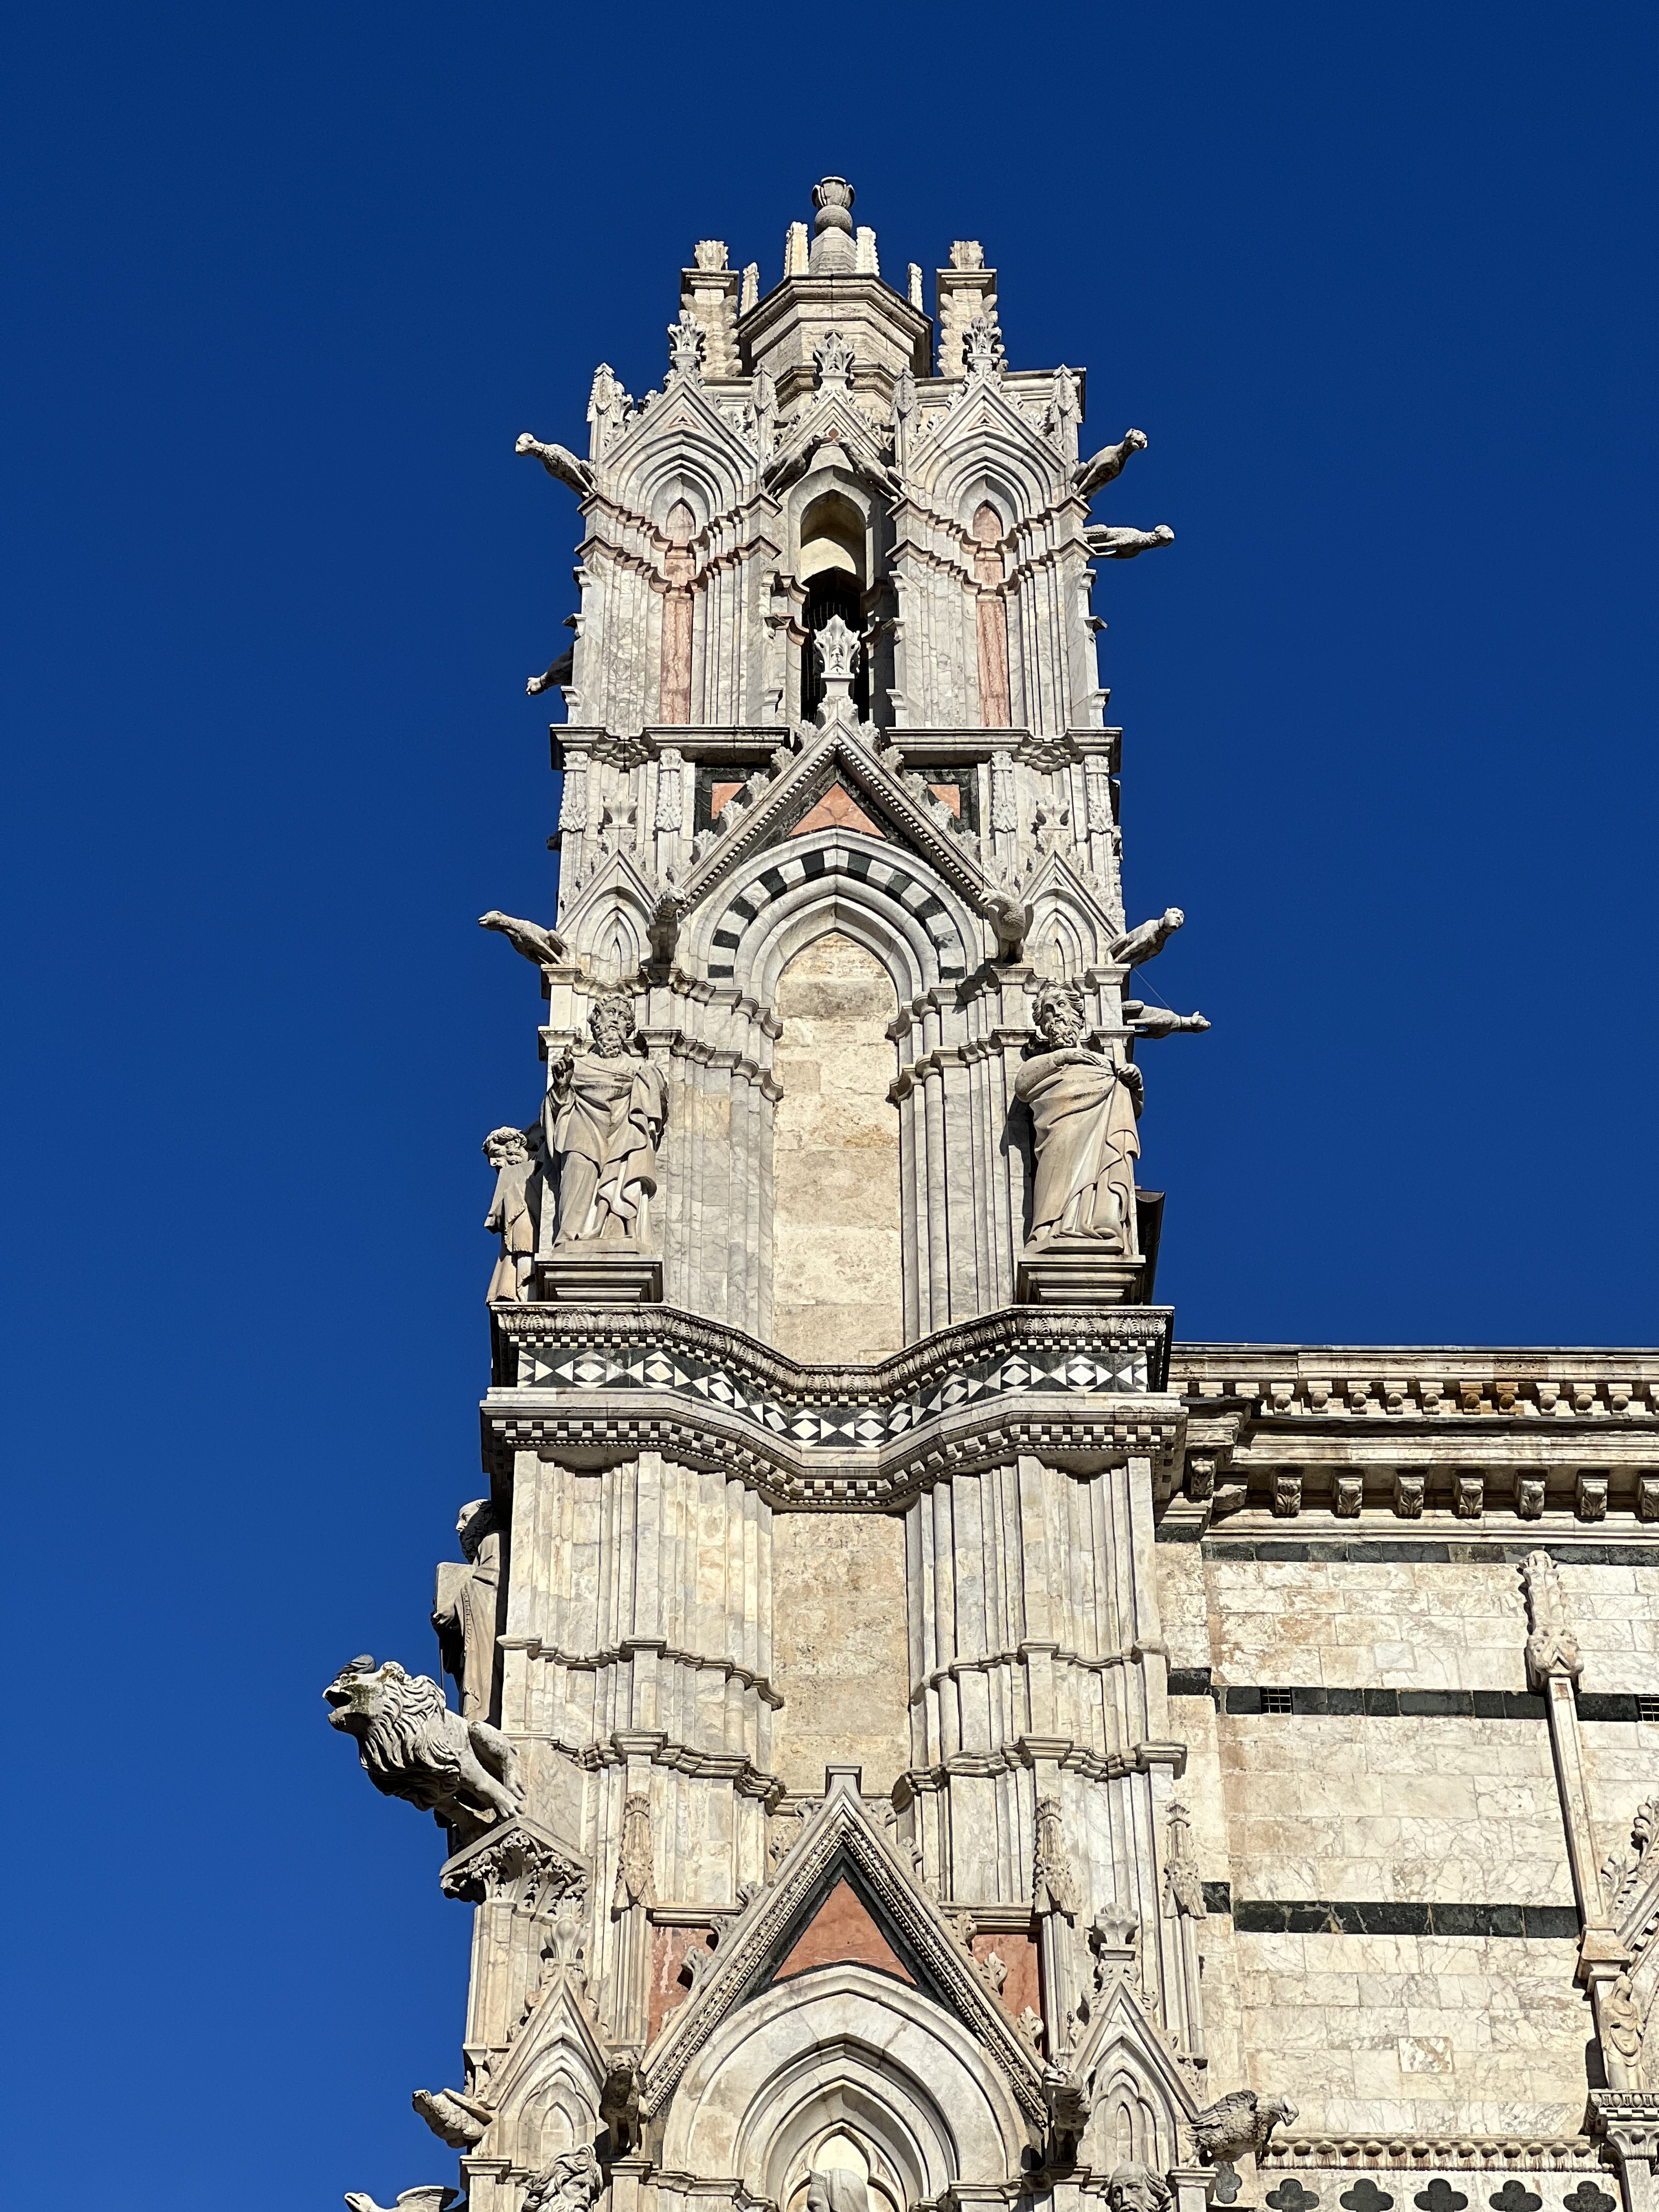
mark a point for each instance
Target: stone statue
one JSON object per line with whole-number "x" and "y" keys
{"x": 544, "y": 946}
{"x": 571, "y": 2183}
{"x": 1132, "y": 2187}
{"x": 1147, "y": 940}
{"x": 410, "y": 1745}
{"x": 514, "y": 1211}
{"x": 1107, "y": 463}
{"x": 1083, "y": 1110}
{"x": 1106, "y": 543}
{"x": 464, "y": 1615}
{"x": 436, "y": 2197}
{"x": 1160, "y": 1021}
{"x": 1241, "y": 2122}
{"x": 604, "y": 1118}
{"x": 837, "y": 2189}
{"x": 462, "y": 2121}
{"x": 559, "y": 462}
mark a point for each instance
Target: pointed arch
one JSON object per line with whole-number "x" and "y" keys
{"x": 844, "y": 2046}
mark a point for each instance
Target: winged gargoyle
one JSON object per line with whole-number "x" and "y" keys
{"x": 1239, "y": 2123}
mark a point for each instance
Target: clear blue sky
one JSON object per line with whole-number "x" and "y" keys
{"x": 282, "y": 284}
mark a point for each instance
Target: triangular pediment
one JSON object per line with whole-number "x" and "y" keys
{"x": 842, "y": 757}
{"x": 832, "y": 421}
{"x": 840, "y": 1896}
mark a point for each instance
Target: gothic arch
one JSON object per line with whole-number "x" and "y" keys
{"x": 890, "y": 903}
{"x": 844, "y": 2044}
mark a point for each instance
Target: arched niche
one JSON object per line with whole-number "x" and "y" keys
{"x": 847, "y": 2052}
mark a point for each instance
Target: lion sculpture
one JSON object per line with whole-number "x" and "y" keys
{"x": 410, "y": 1745}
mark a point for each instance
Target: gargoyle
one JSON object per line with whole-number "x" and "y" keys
{"x": 1147, "y": 940}
{"x": 410, "y": 1745}
{"x": 460, "y": 2120}
{"x": 619, "y": 2103}
{"x": 1068, "y": 2099}
{"x": 1158, "y": 1021}
{"x": 544, "y": 946}
{"x": 1010, "y": 916}
{"x": 559, "y": 461}
{"x": 1107, "y": 541}
{"x": 437, "y": 2196}
{"x": 1107, "y": 463}
{"x": 1240, "y": 2123}
{"x": 556, "y": 672}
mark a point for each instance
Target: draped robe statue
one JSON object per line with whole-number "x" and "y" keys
{"x": 464, "y": 1615}
{"x": 514, "y": 1210}
{"x": 1084, "y": 1110}
{"x": 603, "y": 1117}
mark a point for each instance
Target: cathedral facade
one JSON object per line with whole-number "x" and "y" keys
{"x": 918, "y": 1735}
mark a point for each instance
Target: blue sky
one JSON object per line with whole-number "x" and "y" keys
{"x": 284, "y": 283}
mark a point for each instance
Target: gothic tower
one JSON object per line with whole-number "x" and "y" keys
{"x": 814, "y": 1778}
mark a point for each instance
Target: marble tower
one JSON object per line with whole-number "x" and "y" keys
{"x": 920, "y": 1735}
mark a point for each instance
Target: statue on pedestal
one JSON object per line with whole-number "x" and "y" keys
{"x": 514, "y": 1211}
{"x": 1083, "y": 1110}
{"x": 604, "y": 1118}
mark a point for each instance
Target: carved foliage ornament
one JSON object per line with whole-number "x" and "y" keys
{"x": 1551, "y": 1647}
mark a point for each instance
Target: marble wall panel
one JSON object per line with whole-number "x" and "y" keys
{"x": 841, "y": 1657}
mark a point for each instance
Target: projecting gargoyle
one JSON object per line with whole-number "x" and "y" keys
{"x": 1158, "y": 1021}
{"x": 558, "y": 671}
{"x": 436, "y": 2197}
{"x": 558, "y": 461}
{"x": 1147, "y": 940}
{"x": 1107, "y": 543}
{"x": 462, "y": 2121}
{"x": 1107, "y": 463}
{"x": 544, "y": 946}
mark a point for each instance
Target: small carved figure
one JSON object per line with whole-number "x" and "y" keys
{"x": 571, "y": 2183}
{"x": 1084, "y": 1109}
{"x": 461, "y": 2121}
{"x": 1183, "y": 1890}
{"x": 1010, "y": 916}
{"x": 636, "y": 1883}
{"x": 619, "y": 2103}
{"x": 559, "y": 462}
{"x": 1160, "y": 1021}
{"x": 604, "y": 1118}
{"x": 1147, "y": 940}
{"x": 410, "y": 1745}
{"x": 837, "y": 2189}
{"x": 1108, "y": 543}
{"x": 543, "y": 946}
{"x": 1054, "y": 1885}
{"x": 464, "y": 1615}
{"x": 1132, "y": 2187}
{"x": 1623, "y": 2019}
{"x": 514, "y": 1211}
{"x": 1241, "y": 2122}
{"x": 1107, "y": 463}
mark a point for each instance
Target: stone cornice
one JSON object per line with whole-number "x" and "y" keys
{"x": 1067, "y": 1386}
